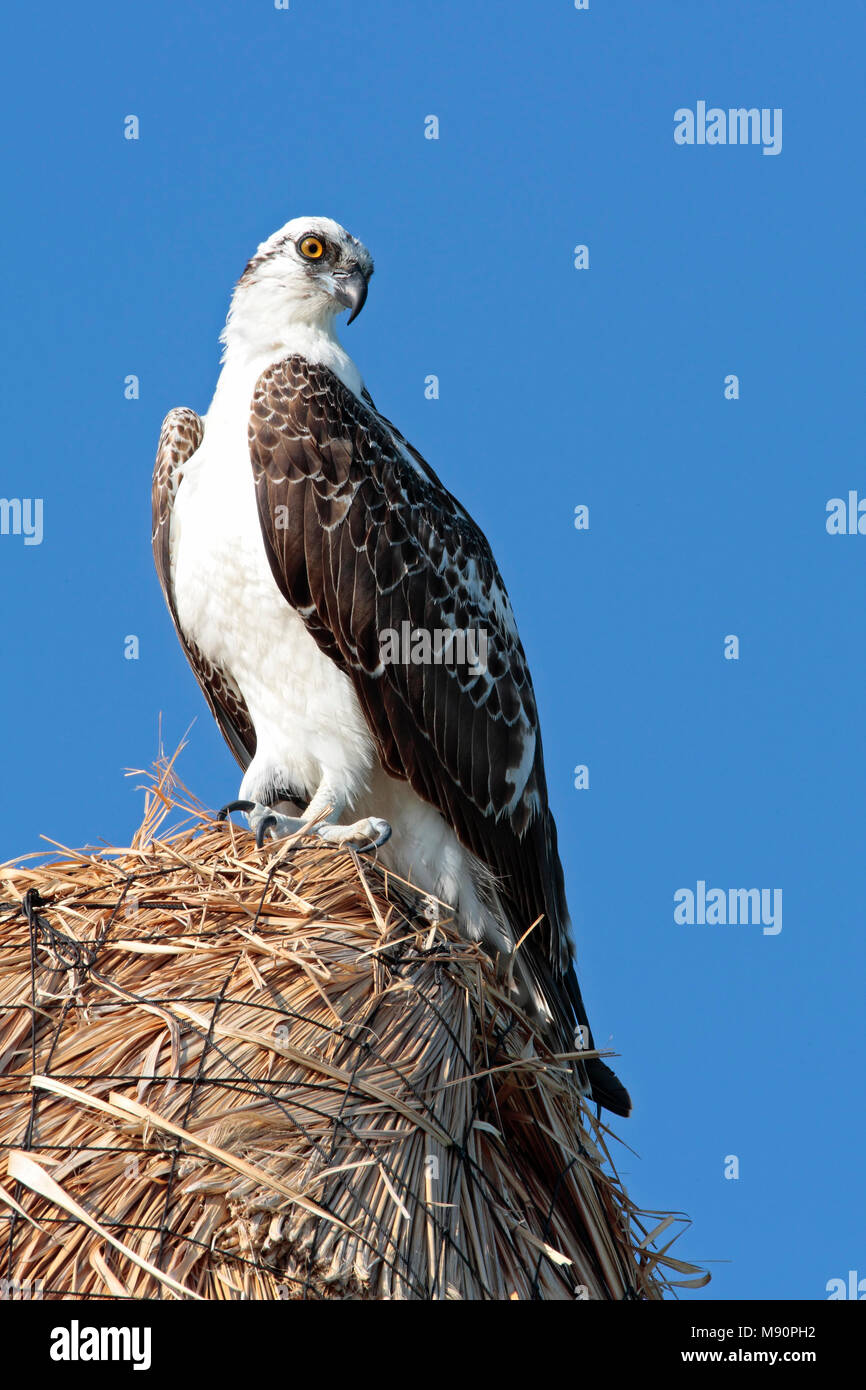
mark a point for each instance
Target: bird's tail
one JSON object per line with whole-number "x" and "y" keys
{"x": 606, "y": 1087}
{"x": 552, "y": 1003}
{"x": 549, "y": 993}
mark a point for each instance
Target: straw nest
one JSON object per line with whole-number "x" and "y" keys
{"x": 229, "y": 1073}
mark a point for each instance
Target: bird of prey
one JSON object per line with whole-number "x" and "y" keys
{"x": 293, "y": 529}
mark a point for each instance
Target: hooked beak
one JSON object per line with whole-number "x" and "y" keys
{"x": 350, "y": 287}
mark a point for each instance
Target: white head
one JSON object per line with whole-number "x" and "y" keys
{"x": 295, "y": 285}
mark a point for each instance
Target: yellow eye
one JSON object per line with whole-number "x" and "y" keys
{"x": 311, "y": 247}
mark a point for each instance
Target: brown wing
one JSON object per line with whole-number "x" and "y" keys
{"x": 362, "y": 537}
{"x": 181, "y": 434}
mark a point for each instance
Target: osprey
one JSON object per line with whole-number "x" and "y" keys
{"x": 293, "y": 529}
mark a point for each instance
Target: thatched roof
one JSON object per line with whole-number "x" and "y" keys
{"x": 232, "y": 1073}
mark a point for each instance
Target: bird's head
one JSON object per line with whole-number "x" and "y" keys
{"x": 301, "y": 277}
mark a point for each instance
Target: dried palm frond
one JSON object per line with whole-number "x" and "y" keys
{"x": 229, "y": 1073}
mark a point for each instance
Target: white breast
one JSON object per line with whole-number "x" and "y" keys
{"x": 307, "y": 719}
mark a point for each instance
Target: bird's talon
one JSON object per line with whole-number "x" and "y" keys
{"x": 264, "y": 825}
{"x": 382, "y": 832}
{"x": 225, "y": 811}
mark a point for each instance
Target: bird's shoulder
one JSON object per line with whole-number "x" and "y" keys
{"x": 179, "y": 439}
{"x": 307, "y": 424}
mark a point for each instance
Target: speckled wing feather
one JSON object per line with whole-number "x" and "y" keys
{"x": 361, "y": 537}
{"x": 181, "y": 434}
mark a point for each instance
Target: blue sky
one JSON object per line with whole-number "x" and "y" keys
{"x": 558, "y": 387}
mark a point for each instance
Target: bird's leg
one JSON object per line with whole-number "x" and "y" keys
{"x": 319, "y": 820}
